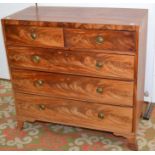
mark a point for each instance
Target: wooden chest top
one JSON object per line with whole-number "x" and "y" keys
{"x": 79, "y": 17}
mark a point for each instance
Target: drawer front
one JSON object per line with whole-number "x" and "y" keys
{"x": 73, "y": 62}
{"x": 74, "y": 87}
{"x": 34, "y": 36}
{"x": 77, "y": 113}
{"x": 101, "y": 39}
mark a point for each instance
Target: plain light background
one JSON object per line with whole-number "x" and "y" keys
{"x": 6, "y": 9}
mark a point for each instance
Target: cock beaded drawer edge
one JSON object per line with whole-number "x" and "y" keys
{"x": 78, "y": 66}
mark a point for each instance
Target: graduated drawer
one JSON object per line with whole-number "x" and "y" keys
{"x": 34, "y": 36}
{"x": 101, "y": 39}
{"x": 77, "y": 113}
{"x": 74, "y": 87}
{"x": 95, "y": 64}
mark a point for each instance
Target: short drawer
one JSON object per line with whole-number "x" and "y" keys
{"x": 74, "y": 87}
{"x": 96, "y": 64}
{"x": 101, "y": 39}
{"x": 76, "y": 113}
{"x": 34, "y": 36}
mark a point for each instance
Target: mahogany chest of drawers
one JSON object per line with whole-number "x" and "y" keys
{"x": 78, "y": 66}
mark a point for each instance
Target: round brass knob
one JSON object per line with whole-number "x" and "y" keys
{"x": 38, "y": 83}
{"x": 101, "y": 115}
{"x": 36, "y": 59}
{"x": 33, "y": 35}
{"x": 99, "y": 39}
{"x": 99, "y": 90}
{"x": 99, "y": 65}
{"x": 42, "y": 106}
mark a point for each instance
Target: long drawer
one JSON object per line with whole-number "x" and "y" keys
{"x": 74, "y": 87}
{"x": 101, "y": 39}
{"x": 95, "y": 64}
{"x": 34, "y": 36}
{"x": 83, "y": 114}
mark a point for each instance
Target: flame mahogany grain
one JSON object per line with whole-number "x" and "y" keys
{"x": 118, "y": 119}
{"x": 80, "y": 79}
{"x": 74, "y": 87}
{"x": 113, "y": 40}
{"x": 65, "y": 61}
{"x": 45, "y": 36}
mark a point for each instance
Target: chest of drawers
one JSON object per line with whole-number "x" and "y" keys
{"x": 78, "y": 66}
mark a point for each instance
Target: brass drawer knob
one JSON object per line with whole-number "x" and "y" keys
{"x": 99, "y": 65}
{"x": 38, "y": 83}
{"x": 42, "y": 106}
{"x": 33, "y": 35}
{"x": 99, "y": 90}
{"x": 99, "y": 39}
{"x": 101, "y": 115}
{"x": 36, "y": 59}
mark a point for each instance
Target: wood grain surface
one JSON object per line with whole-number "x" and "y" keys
{"x": 44, "y": 36}
{"x": 74, "y": 87}
{"x": 75, "y": 113}
{"x": 97, "y": 64}
{"x": 140, "y": 61}
{"x": 80, "y": 17}
{"x": 80, "y": 66}
{"x": 112, "y": 40}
